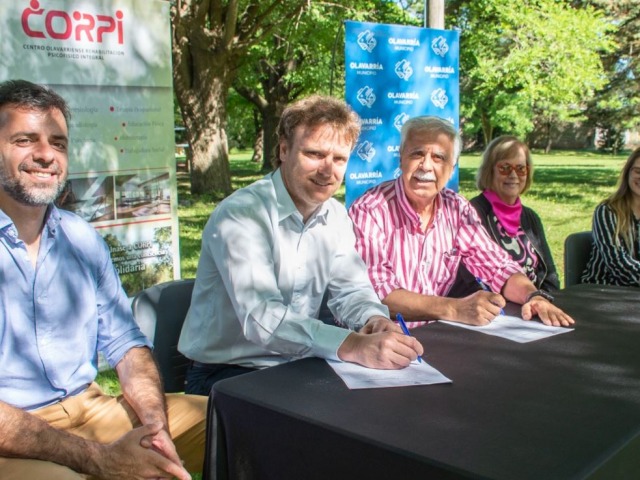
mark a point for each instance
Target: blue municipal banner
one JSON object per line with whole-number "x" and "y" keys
{"x": 393, "y": 73}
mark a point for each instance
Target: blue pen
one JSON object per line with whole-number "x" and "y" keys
{"x": 404, "y": 328}
{"x": 486, "y": 288}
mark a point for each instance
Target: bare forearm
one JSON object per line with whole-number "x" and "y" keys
{"x": 417, "y": 307}
{"x": 142, "y": 387}
{"x": 27, "y": 436}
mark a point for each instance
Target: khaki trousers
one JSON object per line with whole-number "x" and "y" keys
{"x": 99, "y": 417}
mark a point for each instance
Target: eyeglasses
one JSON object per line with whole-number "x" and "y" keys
{"x": 506, "y": 169}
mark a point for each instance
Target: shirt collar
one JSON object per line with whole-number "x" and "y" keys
{"x": 51, "y": 221}
{"x": 405, "y": 206}
{"x": 286, "y": 207}
{"x": 52, "y": 218}
{"x": 5, "y": 221}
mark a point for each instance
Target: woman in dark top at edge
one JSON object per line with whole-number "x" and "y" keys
{"x": 615, "y": 255}
{"x": 505, "y": 174}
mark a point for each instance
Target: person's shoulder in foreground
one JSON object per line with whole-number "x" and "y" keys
{"x": 414, "y": 233}
{"x": 66, "y": 303}
{"x": 615, "y": 254}
{"x": 272, "y": 250}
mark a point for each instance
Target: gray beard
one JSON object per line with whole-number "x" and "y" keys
{"x": 35, "y": 196}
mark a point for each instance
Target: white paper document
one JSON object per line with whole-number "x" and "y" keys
{"x": 356, "y": 376}
{"x": 514, "y": 328}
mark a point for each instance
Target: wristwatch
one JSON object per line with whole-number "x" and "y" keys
{"x": 540, "y": 293}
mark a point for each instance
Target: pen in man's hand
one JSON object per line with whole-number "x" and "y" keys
{"x": 486, "y": 288}
{"x": 404, "y": 328}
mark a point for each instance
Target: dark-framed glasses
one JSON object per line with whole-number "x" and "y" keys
{"x": 506, "y": 169}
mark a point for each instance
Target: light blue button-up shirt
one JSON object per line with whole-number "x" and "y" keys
{"x": 56, "y": 317}
{"x": 261, "y": 278}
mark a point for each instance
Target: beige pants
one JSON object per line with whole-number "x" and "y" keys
{"x": 99, "y": 417}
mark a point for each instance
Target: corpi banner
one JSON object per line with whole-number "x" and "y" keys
{"x": 393, "y": 73}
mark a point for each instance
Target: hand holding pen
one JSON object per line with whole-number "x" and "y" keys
{"x": 404, "y": 328}
{"x": 486, "y": 288}
{"x": 378, "y": 344}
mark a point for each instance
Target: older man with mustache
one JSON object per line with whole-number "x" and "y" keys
{"x": 413, "y": 233}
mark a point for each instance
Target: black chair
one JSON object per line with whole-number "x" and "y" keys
{"x": 160, "y": 311}
{"x": 577, "y": 250}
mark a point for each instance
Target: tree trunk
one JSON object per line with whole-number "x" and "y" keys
{"x": 210, "y": 161}
{"x": 205, "y": 127}
{"x": 270, "y": 107}
{"x": 487, "y": 128}
{"x": 270, "y": 118}
{"x": 201, "y": 83}
{"x": 258, "y": 146}
{"x": 547, "y": 147}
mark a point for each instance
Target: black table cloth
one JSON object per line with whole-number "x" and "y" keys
{"x": 565, "y": 407}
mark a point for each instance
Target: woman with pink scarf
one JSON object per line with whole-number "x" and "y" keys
{"x": 505, "y": 174}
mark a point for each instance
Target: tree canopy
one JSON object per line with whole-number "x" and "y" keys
{"x": 525, "y": 65}
{"x": 616, "y": 106}
{"x": 307, "y": 56}
{"x": 528, "y": 62}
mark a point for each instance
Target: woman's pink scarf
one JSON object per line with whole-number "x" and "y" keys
{"x": 508, "y": 215}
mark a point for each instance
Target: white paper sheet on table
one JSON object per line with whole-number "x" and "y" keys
{"x": 514, "y": 328}
{"x": 356, "y": 376}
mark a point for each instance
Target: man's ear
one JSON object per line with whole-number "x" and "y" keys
{"x": 453, "y": 170}
{"x": 283, "y": 149}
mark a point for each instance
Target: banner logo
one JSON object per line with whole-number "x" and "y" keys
{"x": 364, "y": 178}
{"x": 399, "y": 121}
{"x": 439, "y": 98}
{"x": 366, "y": 151}
{"x": 403, "y": 69}
{"x": 367, "y": 41}
{"x": 439, "y": 46}
{"x": 370, "y": 123}
{"x": 408, "y": 44}
{"x": 438, "y": 71}
{"x": 365, "y": 66}
{"x": 403, "y": 98}
{"x": 60, "y": 25}
{"x": 366, "y": 97}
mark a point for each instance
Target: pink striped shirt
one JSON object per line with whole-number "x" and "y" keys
{"x": 399, "y": 255}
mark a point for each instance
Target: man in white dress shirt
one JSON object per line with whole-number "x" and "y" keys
{"x": 269, "y": 253}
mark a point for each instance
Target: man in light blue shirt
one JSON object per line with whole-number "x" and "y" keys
{"x": 60, "y": 303}
{"x": 269, "y": 253}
